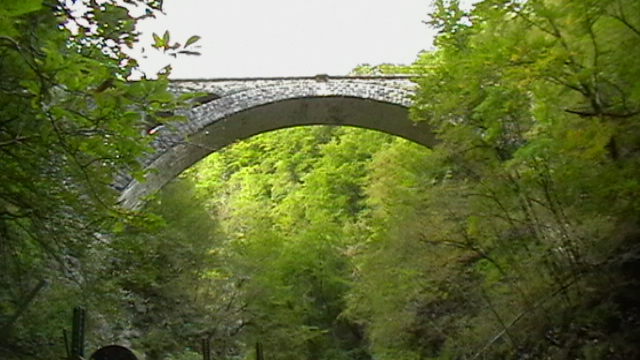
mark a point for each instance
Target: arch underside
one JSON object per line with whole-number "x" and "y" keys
{"x": 337, "y": 110}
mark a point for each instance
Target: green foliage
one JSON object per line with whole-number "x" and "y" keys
{"x": 528, "y": 103}
{"x": 501, "y": 242}
{"x": 175, "y": 287}
{"x": 382, "y": 69}
{"x": 516, "y": 237}
{"x": 290, "y": 202}
{"x": 70, "y": 122}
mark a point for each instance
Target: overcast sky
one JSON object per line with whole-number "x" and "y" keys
{"x": 251, "y": 38}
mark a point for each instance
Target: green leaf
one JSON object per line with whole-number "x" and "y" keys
{"x": 20, "y": 7}
{"x": 191, "y": 40}
{"x": 157, "y": 41}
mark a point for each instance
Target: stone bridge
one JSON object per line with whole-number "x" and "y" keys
{"x": 236, "y": 109}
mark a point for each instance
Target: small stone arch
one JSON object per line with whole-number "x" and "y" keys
{"x": 263, "y": 105}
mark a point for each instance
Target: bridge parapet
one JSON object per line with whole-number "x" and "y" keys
{"x": 229, "y": 86}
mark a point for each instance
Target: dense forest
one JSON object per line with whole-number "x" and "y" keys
{"x": 516, "y": 237}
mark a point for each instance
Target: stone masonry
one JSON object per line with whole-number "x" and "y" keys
{"x": 235, "y": 109}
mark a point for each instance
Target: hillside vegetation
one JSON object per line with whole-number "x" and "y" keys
{"x": 516, "y": 237}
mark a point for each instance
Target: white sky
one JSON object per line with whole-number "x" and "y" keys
{"x": 252, "y": 38}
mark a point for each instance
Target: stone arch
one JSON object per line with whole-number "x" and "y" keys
{"x": 372, "y": 103}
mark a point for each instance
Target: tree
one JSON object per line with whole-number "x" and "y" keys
{"x": 537, "y": 125}
{"x": 70, "y": 122}
{"x": 176, "y": 287}
{"x": 290, "y": 202}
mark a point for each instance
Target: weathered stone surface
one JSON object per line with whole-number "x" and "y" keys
{"x": 240, "y": 108}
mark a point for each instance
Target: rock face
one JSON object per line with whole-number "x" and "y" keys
{"x": 236, "y": 109}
